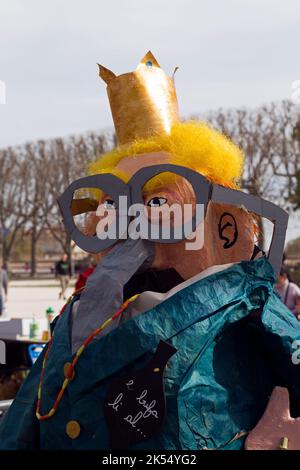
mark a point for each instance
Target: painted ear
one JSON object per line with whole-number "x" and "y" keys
{"x": 106, "y": 74}
{"x": 228, "y": 231}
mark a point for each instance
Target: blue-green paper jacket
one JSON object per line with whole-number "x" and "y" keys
{"x": 235, "y": 342}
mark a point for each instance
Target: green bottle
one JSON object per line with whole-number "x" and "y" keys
{"x": 50, "y": 315}
{"x": 34, "y": 328}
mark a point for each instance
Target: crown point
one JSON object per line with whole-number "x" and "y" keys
{"x": 149, "y": 60}
{"x": 106, "y": 74}
{"x": 175, "y": 70}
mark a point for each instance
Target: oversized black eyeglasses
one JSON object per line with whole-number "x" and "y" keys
{"x": 204, "y": 192}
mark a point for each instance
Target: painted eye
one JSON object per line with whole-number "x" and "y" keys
{"x": 109, "y": 204}
{"x": 157, "y": 202}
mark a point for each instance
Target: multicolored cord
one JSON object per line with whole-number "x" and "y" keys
{"x": 70, "y": 372}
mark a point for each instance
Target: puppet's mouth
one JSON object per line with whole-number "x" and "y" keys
{"x": 152, "y": 280}
{"x": 123, "y": 272}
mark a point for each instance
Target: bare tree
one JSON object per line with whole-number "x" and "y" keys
{"x": 265, "y": 136}
{"x": 13, "y": 207}
{"x": 67, "y": 161}
{"x": 36, "y": 164}
{"x": 34, "y": 175}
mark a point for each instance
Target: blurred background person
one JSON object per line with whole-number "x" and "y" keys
{"x": 3, "y": 287}
{"x": 63, "y": 272}
{"x": 297, "y": 307}
{"x": 84, "y": 275}
{"x": 287, "y": 290}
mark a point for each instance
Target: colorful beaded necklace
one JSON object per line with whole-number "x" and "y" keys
{"x": 70, "y": 371}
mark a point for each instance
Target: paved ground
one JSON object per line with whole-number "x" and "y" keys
{"x": 32, "y": 297}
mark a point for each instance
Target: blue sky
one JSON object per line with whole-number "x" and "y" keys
{"x": 230, "y": 53}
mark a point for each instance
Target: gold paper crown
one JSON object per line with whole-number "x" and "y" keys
{"x": 143, "y": 103}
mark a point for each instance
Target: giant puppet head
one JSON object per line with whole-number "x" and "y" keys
{"x": 161, "y": 162}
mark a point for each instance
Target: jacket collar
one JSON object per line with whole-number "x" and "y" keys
{"x": 141, "y": 334}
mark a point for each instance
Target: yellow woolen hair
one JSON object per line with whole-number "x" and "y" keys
{"x": 191, "y": 144}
